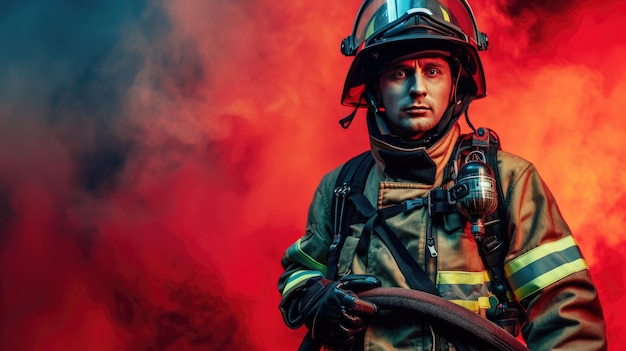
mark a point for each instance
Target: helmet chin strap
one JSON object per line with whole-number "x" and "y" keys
{"x": 347, "y": 121}
{"x": 371, "y": 102}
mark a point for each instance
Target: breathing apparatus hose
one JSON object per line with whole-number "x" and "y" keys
{"x": 448, "y": 319}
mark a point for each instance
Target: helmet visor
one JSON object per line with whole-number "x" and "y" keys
{"x": 377, "y": 15}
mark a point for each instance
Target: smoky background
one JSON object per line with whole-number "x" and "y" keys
{"x": 157, "y": 158}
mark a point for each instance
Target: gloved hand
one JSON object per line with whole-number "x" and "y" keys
{"x": 333, "y": 313}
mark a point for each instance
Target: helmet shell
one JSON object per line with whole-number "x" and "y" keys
{"x": 387, "y": 29}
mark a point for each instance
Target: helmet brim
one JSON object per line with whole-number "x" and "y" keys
{"x": 373, "y": 58}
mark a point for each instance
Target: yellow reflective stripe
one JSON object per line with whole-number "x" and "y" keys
{"x": 470, "y": 305}
{"x": 483, "y": 302}
{"x": 550, "y": 277}
{"x": 298, "y": 277}
{"x": 465, "y": 278}
{"x": 445, "y": 14}
{"x": 486, "y": 276}
{"x": 537, "y": 253}
{"x": 295, "y": 253}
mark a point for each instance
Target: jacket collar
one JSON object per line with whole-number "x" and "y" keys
{"x": 420, "y": 164}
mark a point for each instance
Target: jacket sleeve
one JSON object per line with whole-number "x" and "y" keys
{"x": 307, "y": 257}
{"x": 547, "y": 271}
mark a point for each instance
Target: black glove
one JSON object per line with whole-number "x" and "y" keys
{"x": 334, "y": 315}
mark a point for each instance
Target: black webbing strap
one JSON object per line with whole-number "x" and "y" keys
{"x": 495, "y": 243}
{"x": 415, "y": 276}
{"x": 351, "y": 179}
{"x": 368, "y": 213}
{"x": 354, "y": 172}
{"x": 492, "y": 160}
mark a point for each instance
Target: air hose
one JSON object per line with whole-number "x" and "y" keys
{"x": 451, "y": 321}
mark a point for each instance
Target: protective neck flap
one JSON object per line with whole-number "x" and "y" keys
{"x": 415, "y": 166}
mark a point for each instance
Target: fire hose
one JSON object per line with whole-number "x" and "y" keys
{"x": 448, "y": 319}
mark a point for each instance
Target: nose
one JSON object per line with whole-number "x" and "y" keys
{"x": 417, "y": 85}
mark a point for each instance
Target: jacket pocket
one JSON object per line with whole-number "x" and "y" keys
{"x": 346, "y": 255}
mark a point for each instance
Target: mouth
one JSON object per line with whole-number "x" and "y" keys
{"x": 416, "y": 109}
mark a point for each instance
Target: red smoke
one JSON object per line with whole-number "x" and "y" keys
{"x": 230, "y": 122}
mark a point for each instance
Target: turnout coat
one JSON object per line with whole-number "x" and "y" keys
{"x": 543, "y": 265}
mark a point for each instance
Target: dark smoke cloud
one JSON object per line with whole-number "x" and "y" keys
{"x": 60, "y": 81}
{"x": 533, "y": 18}
{"x": 86, "y": 263}
{"x": 513, "y": 8}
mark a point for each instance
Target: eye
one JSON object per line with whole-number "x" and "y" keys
{"x": 431, "y": 72}
{"x": 400, "y": 74}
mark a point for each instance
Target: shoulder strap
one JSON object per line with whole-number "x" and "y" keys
{"x": 494, "y": 245}
{"x": 500, "y": 216}
{"x": 356, "y": 168}
{"x": 351, "y": 180}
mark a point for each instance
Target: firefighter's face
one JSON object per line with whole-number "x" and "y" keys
{"x": 415, "y": 94}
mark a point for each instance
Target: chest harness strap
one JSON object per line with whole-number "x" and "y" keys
{"x": 440, "y": 201}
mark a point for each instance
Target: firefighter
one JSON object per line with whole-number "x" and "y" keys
{"x": 416, "y": 69}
